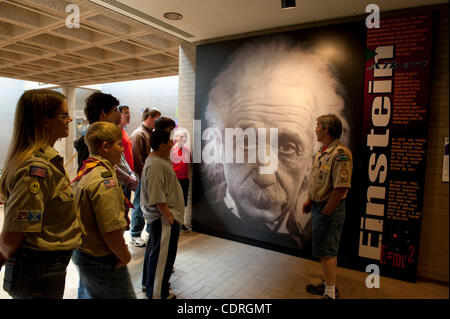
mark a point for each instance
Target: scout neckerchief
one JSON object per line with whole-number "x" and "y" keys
{"x": 88, "y": 165}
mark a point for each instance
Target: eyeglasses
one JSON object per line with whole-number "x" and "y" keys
{"x": 64, "y": 116}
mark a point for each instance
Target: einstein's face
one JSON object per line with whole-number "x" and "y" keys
{"x": 265, "y": 197}
{"x": 180, "y": 138}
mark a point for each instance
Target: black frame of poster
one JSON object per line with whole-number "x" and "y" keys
{"x": 211, "y": 60}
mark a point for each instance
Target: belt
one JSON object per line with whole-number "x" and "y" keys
{"x": 321, "y": 204}
{"x": 37, "y": 256}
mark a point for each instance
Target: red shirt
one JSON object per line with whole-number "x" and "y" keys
{"x": 181, "y": 157}
{"x": 127, "y": 150}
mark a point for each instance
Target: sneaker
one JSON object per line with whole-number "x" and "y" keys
{"x": 318, "y": 289}
{"x": 184, "y": 229}
{"x": 138, "y": 241}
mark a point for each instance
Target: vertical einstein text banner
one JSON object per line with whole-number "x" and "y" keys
{"x": 396, "y": 103}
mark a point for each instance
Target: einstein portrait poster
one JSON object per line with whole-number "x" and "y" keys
{"x": 257, "y": 101}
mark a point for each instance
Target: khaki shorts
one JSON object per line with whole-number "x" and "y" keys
{"x": 327, "y": 230}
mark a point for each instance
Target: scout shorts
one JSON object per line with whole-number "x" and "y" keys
{"x": 35, "y": 274}
{"x": 327, "y": 230}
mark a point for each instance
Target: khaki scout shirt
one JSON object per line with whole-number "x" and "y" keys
{"x": 331, "y": 169}
{"x": 41, "y": 204}
{"x": 100, "y": 204}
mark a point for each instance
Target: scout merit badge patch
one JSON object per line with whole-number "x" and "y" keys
{"x": 343, "y": 174}
{"x": 29, "y": 216}
{"x": 38, "y": 171}
{"x": 106, "y": 174}
{"x": 34, "y": 187}
{"x": 110, "y": 183}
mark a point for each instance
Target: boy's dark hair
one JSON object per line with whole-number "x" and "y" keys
{"x": 163, "y": 123}
{"x": 123, "y": 107}
{"x": 98, "y": 102}
{"x": 152, "y": 112}
{"x": 159, "y": 137}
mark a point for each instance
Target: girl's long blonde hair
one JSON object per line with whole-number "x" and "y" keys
{"x": 29, "y": 133}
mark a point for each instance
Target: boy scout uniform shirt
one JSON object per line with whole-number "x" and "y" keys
{"x": 331, "y": 169}
{"x": 41, "y": 204}
{"x": 100, "y": 204}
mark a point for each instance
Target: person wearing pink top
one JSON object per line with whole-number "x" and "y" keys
{"x": 181, "y": 158}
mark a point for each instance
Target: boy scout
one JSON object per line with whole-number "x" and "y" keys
{"x": 330, "y": 181}
{"x": 103, "y": 255}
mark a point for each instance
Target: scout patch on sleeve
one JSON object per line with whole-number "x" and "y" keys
{"x": 34, "y": 187}
{"x": 38, "y": 171}
{"x": 342, "y": 157}
{"x": 343, "y": 174}
{"x": 106, "y": 174}
{"x": 29, "y": 216}
{"x": 110, "y": 183}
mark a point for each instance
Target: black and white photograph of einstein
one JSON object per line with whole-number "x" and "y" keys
{"x": 266, "y": 83}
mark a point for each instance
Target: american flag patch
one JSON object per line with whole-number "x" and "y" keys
{"x": 38, "y": 171}
{"x": 111, "y": 182}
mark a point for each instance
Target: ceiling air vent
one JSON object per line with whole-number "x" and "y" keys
{"x": 144, "y": 16}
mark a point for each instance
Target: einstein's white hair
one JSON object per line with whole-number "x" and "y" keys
{"x": 180, "y": 131}
{"x": 278, "y": 63}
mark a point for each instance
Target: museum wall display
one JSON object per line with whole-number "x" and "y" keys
{"x": 256, "y": 102}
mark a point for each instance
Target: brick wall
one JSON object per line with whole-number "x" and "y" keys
{"x": 433, "y": 261}
{"x": 186, "y": 101}
{"x": 434, "y": 249}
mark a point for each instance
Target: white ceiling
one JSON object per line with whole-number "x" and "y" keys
{"x": 207, "y": 19}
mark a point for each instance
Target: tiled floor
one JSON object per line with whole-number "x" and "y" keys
{"x": 213, "y": 268}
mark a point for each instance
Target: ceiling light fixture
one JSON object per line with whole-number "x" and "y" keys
{"x": 287, "y": 4}
{"x": 173, "y": 16}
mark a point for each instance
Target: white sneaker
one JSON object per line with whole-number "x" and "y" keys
{"x": 138, "y": 241}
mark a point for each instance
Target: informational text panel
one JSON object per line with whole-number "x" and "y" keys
{"x": 396, "y": 102}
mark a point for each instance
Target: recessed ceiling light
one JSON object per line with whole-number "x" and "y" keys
{"x": 173, "y": 16}
{"x": 287, "y": 4}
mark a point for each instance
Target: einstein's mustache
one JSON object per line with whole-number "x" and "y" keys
{"x": 262, "y": 197}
